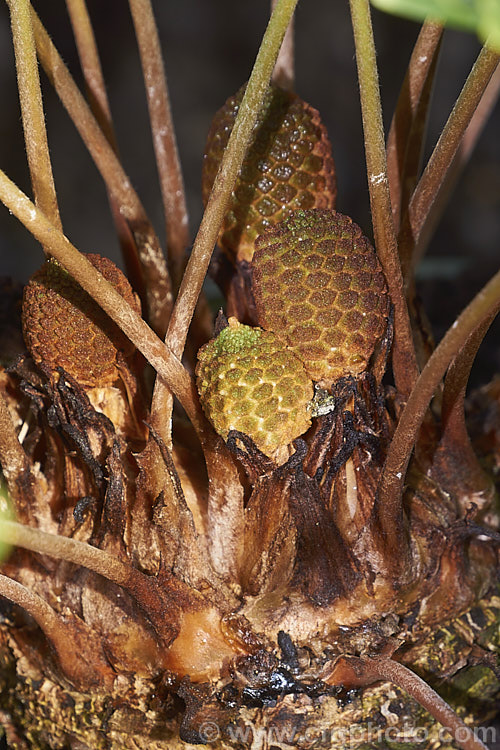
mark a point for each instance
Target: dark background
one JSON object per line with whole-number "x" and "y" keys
{"x": 209, "y": 48}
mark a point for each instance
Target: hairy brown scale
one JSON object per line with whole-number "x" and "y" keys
{"x": 319, "y": 286}
{"x": 63, "y": 327}
{"x": 289, "y": 166}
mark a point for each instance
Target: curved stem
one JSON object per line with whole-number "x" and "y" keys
{"x": 416, "y": 225}
{"x": 391, "y": 483}
{"x": 166, "y": 364}
{"x": 460, "y": 160}
{"x": 223, "y": 185}
{"x": 226, "y": 493}
{"x": 457, "y": 377}
{"x": 99, "y": 104}
{"x": 206, "y": 238}
{"x": 407, "y": 131}
{"x": 30, "y": 96}
{"x": 284, "y": 69}
{"x": 153, "y": 262}
{"x": 404, "y": 362}
{"x": 91, "y": 67}
{"x": 65, "y": 548}
{"x": 455, "y": 462}
{"x": 40, "y": 611}
{"x": 62, "y": 635}
{"x": 159, "y": 605}
{"x": 477, "y": 123}
{"x": 398, "y": 674}
{"x": 164, "y": 142}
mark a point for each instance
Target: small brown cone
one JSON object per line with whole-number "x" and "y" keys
{"x": 64, "y": 327}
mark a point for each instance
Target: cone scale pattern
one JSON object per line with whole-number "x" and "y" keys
{"x": 63, "y": 326}
{"x": 248, "y": 381}
{"x": 289, "y": 166}
{"x": 318, "y": 285}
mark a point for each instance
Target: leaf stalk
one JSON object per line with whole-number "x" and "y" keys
{"x": 30, "y": 96}
{"x": 404, "y": 362}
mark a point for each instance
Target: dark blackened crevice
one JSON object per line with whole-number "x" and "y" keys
{"x": 325, "y": 568}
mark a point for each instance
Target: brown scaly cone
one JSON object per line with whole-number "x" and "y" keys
{"x": 319, "y": 286}
{"x": 289, "y": 166}
{"x": 174, "y": 656}
{"x": 63, "y": 328}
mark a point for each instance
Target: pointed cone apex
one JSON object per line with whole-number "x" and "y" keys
{"x": 319, "y": 286}
{"x": 248, "y": 381}
{"x": 64, "y": 327}
{"x": 288, "y": 166}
